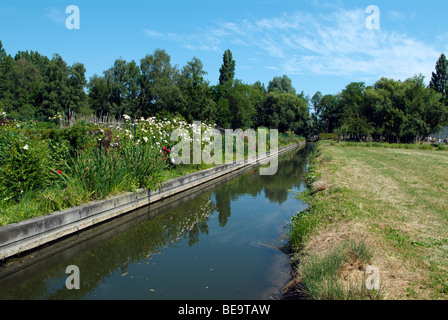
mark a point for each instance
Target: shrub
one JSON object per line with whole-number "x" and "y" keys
{"x": 332, "y": 136}
{"x": 25, "y": 165}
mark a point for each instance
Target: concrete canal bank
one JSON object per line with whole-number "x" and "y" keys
{"x": 31, "y": 234}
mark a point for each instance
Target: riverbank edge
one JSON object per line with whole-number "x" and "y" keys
{"x": 339, "y": 225}
{"x": 333, "y": 262}
{"x": 26, "y": 235}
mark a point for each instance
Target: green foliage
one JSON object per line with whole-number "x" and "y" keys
{"x": 102, "y": 173}
{"x": 321, "y": 276}
{"x": 300, "y": 227}
{"x": 439, "y": 79}
{"x": 227, "y": 70}
{"x": 80, "y": 136}
{"x": 286, "y": 112}
{"x": 312, "y": 175}
{"x": 333, "y": 136}
{"x": 24, "y": 165}
{"x": 281, "y": 85}
{"x": 196, "y": 104}
{"x": 36, "y": 87}
{"x": 398, "y": 236}
{"x": 419, "y": 146}
{"x": 390, "y": 110}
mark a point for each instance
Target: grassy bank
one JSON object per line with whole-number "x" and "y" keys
{"x": 378, "y": 206}
{"x": 46, "y": 168}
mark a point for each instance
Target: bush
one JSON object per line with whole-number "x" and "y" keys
{"x": 79, "y": 137}
{"x": 25, "y": 165}
{"x": 332, "y": 136}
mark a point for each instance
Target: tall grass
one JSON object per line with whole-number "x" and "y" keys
{"x": 102, "y": 173}
{"x": 321, "y": 276}
{"x": 300, "y": 226}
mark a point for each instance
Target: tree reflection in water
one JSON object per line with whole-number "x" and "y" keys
{"x": 161, "y": 229}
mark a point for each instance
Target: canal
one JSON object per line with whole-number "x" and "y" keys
{"x": 218, "y": 242}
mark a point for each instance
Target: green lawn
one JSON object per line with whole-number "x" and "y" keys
{"x": 392, "y": 200}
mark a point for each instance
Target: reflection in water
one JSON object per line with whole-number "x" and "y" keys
{"x": 218, "y": 243}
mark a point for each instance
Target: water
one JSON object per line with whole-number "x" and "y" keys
{"x": 218, "y": 243}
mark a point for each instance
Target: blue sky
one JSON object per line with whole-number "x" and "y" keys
{"x": 320, "y": 45}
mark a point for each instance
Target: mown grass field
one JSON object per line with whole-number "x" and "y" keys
{"x": 392, "y": 203}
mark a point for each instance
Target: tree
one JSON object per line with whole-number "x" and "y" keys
{"x": 227, "y": 70}
{"x": 351, "y": 98}
{"x": 117, "y": 92}
{"x": 123, "y": 82}
{"x": 315, "y": 100}
{"x": 330, "y": 111}
{"x": 24, "y": 83}
{"x": 355, "y": 124}
{"x": 392, "y": 113}
{"x": 439, "y": 79}
{"x": 426, "y": 112}
{"x": 56, "y": 91}
{"x": 281, "y": 85}
{"x": 286, "y": 111}
{"x": 196, "y": 102}
{"x": 158, "y": 84}
{"x": 258, "y": 99}
{"x": 76, "y": 83}
{"x": 241, "y": 105}
{"x": 100, "y": 95}
{"x": 373, "y": 108}
{"x": 6, "y": 62}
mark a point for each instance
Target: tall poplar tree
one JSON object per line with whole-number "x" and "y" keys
{"x": 227, "y": 70}
{"x": 439, "y": 79}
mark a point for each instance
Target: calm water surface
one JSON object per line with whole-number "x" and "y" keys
{"x": 219, "y": 243}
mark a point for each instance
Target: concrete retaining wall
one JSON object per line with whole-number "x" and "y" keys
{"x": 30, "y": 234}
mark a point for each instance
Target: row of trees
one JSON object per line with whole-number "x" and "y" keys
{"x": 32, "y": 86}
{"x": 156, "y": 87}
{"x": 395, "y": 111}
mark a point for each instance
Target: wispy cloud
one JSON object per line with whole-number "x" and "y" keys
{"x": 336, "y": 43}
{"x": 55, "y": 15}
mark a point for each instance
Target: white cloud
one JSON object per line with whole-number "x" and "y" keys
{"x": 336, "y": 43}
{"x": 56, "y": 15}
{"x": 153, "y": 34}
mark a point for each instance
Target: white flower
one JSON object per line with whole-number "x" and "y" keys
{"x": 126, "y": 117}
{"x": 25, "y": 147}
{"x": 145, "y": 138}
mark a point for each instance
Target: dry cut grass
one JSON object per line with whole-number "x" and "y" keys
{"x": 395, "y": 202}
